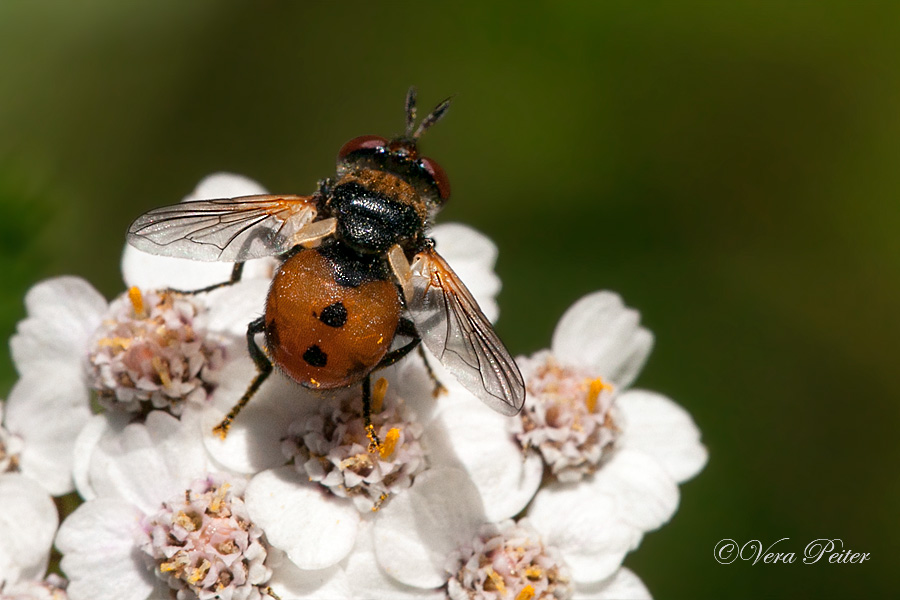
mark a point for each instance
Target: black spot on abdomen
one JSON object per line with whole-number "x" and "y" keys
{"x": 314, "y": 356}
{"x": 334, "y": 315}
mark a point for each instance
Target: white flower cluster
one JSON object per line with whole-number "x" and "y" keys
{"x": 458, "y": 502}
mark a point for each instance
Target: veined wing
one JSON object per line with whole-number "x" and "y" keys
{"x": 230, "y": 230}
{"x": 455, "y": 330}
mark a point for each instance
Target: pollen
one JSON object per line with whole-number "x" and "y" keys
{"x": 596, "y": 386}
{"x": 495, "y": 582}
{"x": 390, "y": 443}
{"x": 137, "y": 301}
{"x": 527, "y": 593}
{"x": 117, "y": 342}
{"x": 379, "y": 390}
{"x": 534, "y": 572}
{"x": 217, "y": 501}
{"x": 161, "y": 369}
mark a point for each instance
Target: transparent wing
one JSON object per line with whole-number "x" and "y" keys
{"x": 231, "y": 230}
{"x": 455, "y": 330}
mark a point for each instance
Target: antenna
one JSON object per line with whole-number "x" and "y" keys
{"x": 410, "y": 110}
{"x": 432, "y": 118}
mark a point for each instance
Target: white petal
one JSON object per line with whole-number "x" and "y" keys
{"x": 584, "y": 524}
{"x": 146, "y": 464}
{"x": 622, "y": 585}
{"x": 647, "y": 496}
{"x": 370, "y": 582}
{"x": 232, "y": 307}
{"x": 224, "y": 185}
{"x": 417, "y": 530}
{"x": 99, "y": 556}
{"x": 315, "y": 529}
{"x": 288, "y": 581}
{"x": 472, "y": 255}
{"x": 86, "y": 442}
{"x": 410, "y": 380}
{"x": 47, "y": 455}
{"x": 600, "y": 334}
{"x": 477, "y": 440}
{"x": 28, "y": 523}
{"x": 253, "y": 443}
{"x": 661, "y": 428}
{"x": 62, "y": 315}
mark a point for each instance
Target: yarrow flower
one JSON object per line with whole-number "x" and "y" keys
{"x": 568, "y": 420}
{"x": 203, "y": 541}
{"x": 508, "y": 560}
{"x": 152, "y": 348}
{"x": 163, "y": 517}
{"x": 652, "y": 444}
{"x": 331, "y": 447}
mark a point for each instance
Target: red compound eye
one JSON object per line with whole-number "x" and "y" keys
{"x": 438, "y": 175}
{"x": 363, "y": 142}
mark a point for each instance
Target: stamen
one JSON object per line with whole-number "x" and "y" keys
{"x": 199, "y": 572}
{"x": 596, "y": 387}
{"x": 379, "y": 390}
{"x": 534, "y": 572}
{"x": 215, "y": 503}
{"x": 527, "y": 593}
{"x": 137, "y": 301}
{"x": 162, "y": 369}
{"x": 390, "y": 442}
{"x": 496, "y": 580}
{"x": 120, "y": 343}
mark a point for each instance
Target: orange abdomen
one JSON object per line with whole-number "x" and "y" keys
{"x": 326, "y": 334}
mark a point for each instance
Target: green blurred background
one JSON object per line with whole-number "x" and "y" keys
{"x": 730, "y": 168}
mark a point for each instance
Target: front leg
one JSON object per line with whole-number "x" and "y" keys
{"x": 236, "y": 273}
{"x": 263, "y": 364}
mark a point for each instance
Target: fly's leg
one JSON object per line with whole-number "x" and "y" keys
{"x": 438, "y": 386}
{"x": 236, "y": 273}
{"x": 407, "y": 328}
{"x": 265, "y": 369}
{"x": 374, "y": 442}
